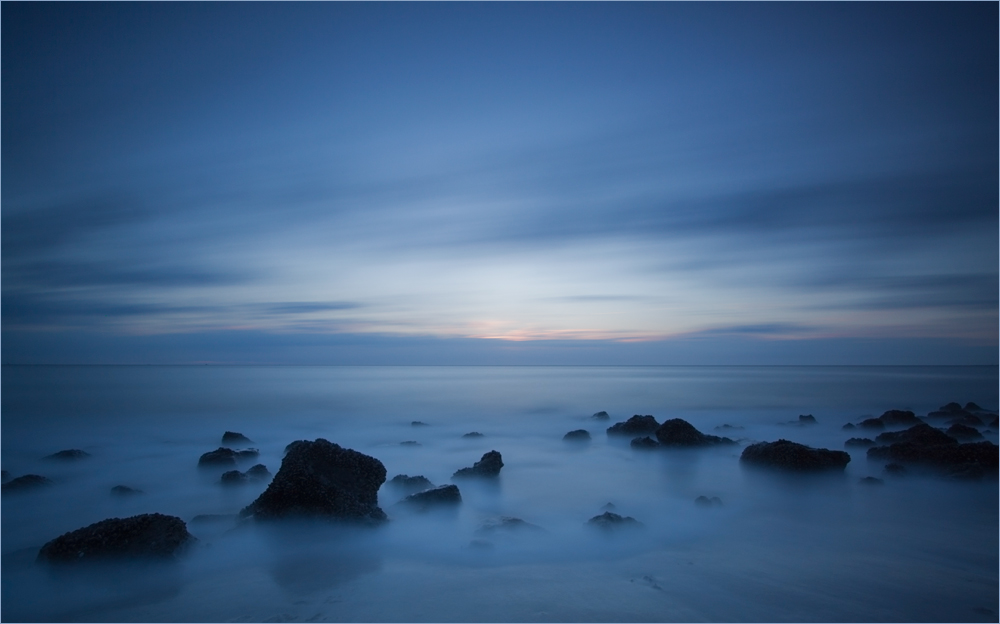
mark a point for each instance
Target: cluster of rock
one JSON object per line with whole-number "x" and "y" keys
{"x": 891, "y": 418}
{"x": 673, "y": 433}
{"x": 930, "y": 447}
{"x": 257, "y": 472}
{"x": 225, "y": 457}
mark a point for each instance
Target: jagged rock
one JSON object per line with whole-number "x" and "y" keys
{"x": 951, "y": 409}
{"x": 232, "y": 437}
{"x": 473, "y": 434}
{"x": 895, "y": 469}
{"x": 807, "y": 419}
{"x": 848, "y": 426}
{"x": 223, "y": 457}
{"x": 258, "y": 472}
{"x": 972, "y": 407}
{"x": 124, "y": 490}
{"x": 793, "y": 456}
{"x": 637, "y": 425}
{"x": 609, "y": 521}
{"x": 678, "y": 432}
{"x": 704, "y": 501}
{"x": 445, "y": 495}
{"x": 962, "y": 432}
{"x": 488, "y": 466}
{"x": 233, "y": 477}
{"x": 871, "y": 481}
{"x": 25, "y": 483}
{"x": 859, "y": 442}
{"x": 602, "y": 415}
{"x": 507, "y": 524}
{"x": 68, "y": 455}
{"x": 922, "y": 434}
{"x": 645, "y": 442}
{"x": 417, "y": 423}
{"x": 322, "y": 479}
{"x": 410, "y": 484}
{"x": 410, "y": 443}
{"x": 579, "y": 435}
{"x": 969, "y": 420}
{"x": 872, "y": 423}
{"x": 923, "y": 444}
{"x": 898, "y": 418}
{"x": 145, "y": 536}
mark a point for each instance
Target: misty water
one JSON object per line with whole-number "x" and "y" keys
{"x": 779, "y": 548}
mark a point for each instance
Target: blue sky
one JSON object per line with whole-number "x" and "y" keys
{"x": 453, "y": 183}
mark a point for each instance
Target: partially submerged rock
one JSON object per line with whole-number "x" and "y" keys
{"x": 488, "y": 466}
{"x": 407, "y": 483}
{"x": 473, "y": 434}
{"x": 233, "y": 477}
{"x": 578, "y": 435}
{"x": 68, "y": 455}
{"x": 446, "y": 495}
{"x": 644, "y": 443}
{"x": 322, "y": 479}
{"x": 792, "y": 456}
{"x": 410, "y": 443}
{"x": 637, "y": 425}
{"x": 848, "y": 426}
{"x": 609, "y": 521}
{"x": 258, "y": 472}
{"x": 925, "y": 445}
{"x": 807, "y": 419}
{"x": 678, "y": 432}
{"x": 602, "y": 415}
{"x": 25, "y": 483}
{"x": 922, "y": 435}
{"x": 871, "y": 481}
{"x": 964, "y": 432}
{"x": 146, "y": 536}
{"x": 860, "y": 442}
{"x": 233, "y": 437}
{"x": 221, "y": 457}
{"x": 417, "y": 423}
{"x": 124, "y": 490}
{"x": 507, "y": 524}
{"x": 899, "y": 418}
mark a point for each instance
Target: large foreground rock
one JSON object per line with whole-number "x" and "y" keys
{"x": 678, "y": 432}
{"x": 932, "y": 447}
{"x": 795, "y": 457}
{"x": 488, "y": 466}
{"x": 147, "y": 536}
{"x": 635, "y": 426}
{"x": 322, "y": 479}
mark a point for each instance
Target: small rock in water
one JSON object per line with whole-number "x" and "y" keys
{"x": 963, "y": 432}
{"x": 233, "y": 477}
{"x": 411, "y": 484}
{"x": 247, "y": 453}
{"x": 446, "y": 495}
{"x": 644, "y": 443}
{"x": 727, "y": 427}
{"x": 488, "y": 466}
{"x": 410, "y": 443}
{"x": 258, "y": 472}
{"x": 870, "y": 481}
{"x": 68, "y": 455}
{"x": 678, "y": 432}
{"x": 609, "y": 521}
{"x": 417, "y": 423}
{"x": 507, "y": 524}
{"x": 579, "y": 435}
{"x": 148, "y": 535}
{"x": 124, "y": 490}
{"x": 860, "y": 442}
{"x": 232, "y": 437}
{"x": 848, "y": 426}
{"x": 807, "y": 419}
{"x": 473, "y": 434}
{"x": 602, "y": 415}
{"x": 704, "y": 501}
{"x": 896, "y": 418}
{"x": 25, "y": 483}
{"x": 219, "y": 457}
{"x": 787, "y": 455}
{"x": 637, "y": 425}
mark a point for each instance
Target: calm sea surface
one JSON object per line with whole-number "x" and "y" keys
{"x": 779, "y": 548}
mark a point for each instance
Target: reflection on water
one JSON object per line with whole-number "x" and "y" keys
{"x": 777, "y": 548}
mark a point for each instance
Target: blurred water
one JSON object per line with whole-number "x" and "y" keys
{"x": 823, "y": 548}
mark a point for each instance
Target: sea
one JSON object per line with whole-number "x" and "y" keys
{"x": 773, "y": 548}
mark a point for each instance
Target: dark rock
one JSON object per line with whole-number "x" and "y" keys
{"x": 410, "y": 484}
{"x": 899, "y": 418}
{"x": 488, "y": 466}
{"x": 922, "y": 434}
{"x": 704, "y": 501}
{"x": 26, "y": 482}
{"x": 147, "y": 536}
{"x": 872, "y": 423}
{"x": 951, "y": 410}
{"x": 247, "y": 453}
{"x": 637, "y": 425}
{"x": 258, "y": 472}
{"x": 792, "y": 456}
{"x": 962, "y": 432}
{"x": 969, "y": 420}
{"x": 807, "y": 419}
{"x": 859, "y": 442}
{"x": 222, "y": 457}
{"x": 895, "y": 469}
{"x": 124, "y": 490}
{"x": 410, "y": 443}
{"x": 871, "y": 481}
{"x": 322, "y": 479}
{"x": 678, "y": 432}
{"x": 473, "y": 434}
{"x": 728, "y": 428}
{"x": 417, "y": 423}
{"x": 579, "y": 435}
{"x": 68, "y": 455}
{"x": 507, "y": 524}
{"x": 972, "y": 407}
{"x": 609, "y": 521}
{"x": 232, "y": 437}
{"x": 644, "y": 443}
{"x": 439, "y": 496}
{"x": 602, "y": 415}
{"x": 233, "y": 477}
{"x": 923, "y": 444}
{"x": 848, "y": 426}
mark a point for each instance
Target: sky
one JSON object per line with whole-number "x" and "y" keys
{"x": 494, "y": 183}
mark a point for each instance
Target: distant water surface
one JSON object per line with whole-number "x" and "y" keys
{"x": 822, "y": 548}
